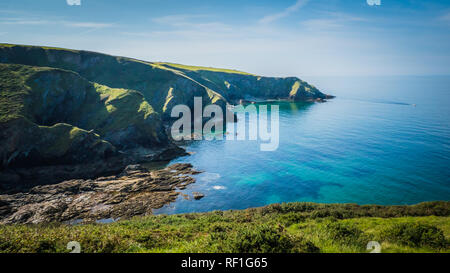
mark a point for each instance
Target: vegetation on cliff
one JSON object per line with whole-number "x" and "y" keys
{"x": 120, "y": 103}
{"x": 52, "y": 116}
{"x": 290, "y": 227}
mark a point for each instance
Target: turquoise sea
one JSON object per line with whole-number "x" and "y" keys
{"x": 382, "y": 140}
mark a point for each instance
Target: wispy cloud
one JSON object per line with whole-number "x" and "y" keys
{"x": 276, "y": 16}
{"x": 331, "y": 21}
{"x": 192, "y": 22}
{"x": 25, "y": 21}
{"x": 10, "y": 11}
{"x": 88, "y": 24}
{"x": 179, "y": 19}
{"x": 73, "y": 2}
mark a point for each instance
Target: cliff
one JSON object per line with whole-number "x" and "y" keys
{"x": 68, "y": 106}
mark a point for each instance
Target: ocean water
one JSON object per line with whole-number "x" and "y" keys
{"x": 382, "y": 140}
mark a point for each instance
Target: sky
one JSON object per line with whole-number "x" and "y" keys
{"x": 270, "y": 38}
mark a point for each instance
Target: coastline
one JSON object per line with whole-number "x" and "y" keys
{"x": 43, "y": 194}
{"x": 135, "y": 191}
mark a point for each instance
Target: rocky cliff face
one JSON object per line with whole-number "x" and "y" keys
{"x": 236, "y": 86}
{"x": 51, "y": 116}
{"x": 27, "y": 144}
{"x": 61, "y": 106}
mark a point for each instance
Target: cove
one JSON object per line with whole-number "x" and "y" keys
{"x": 369, "y": 145}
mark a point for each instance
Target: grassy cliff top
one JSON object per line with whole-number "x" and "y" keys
{"x": 43, "y": 47}
{"x": 291, "y": 227}
{"x": 156, "y": 64}
{"x": 203, "y": 68}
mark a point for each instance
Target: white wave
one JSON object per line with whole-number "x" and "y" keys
{"x": 206, "y": 177}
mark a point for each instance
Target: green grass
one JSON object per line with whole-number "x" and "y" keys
{"x": 291, "y": 227}
{"x": 154, "y": 64}
{"x": 6, "y": 45}
{"x": 43, "y": 47}
{"x": 203, "y": 68}
{"x": 35, "y": 93}
{"x": 352, "y": 235}
{"x": 62, "y": 137}
{"x": 294, "y": 89}
{"x": 13, "y": 90}
{"x": 123, "y": 107}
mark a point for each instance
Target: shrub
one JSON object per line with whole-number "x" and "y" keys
{"x": 46, "y": 246}
{"x": 220, "y": 227}
{"x": 346, "y": 234}
{"x": 147, "y": 240}
{"x": 262, "y": 239}
{"x": 290, "y": 218}
{"x": 257, "y": 239}
{"x": 416, "y": 234}
{"x": 250, "y": 239}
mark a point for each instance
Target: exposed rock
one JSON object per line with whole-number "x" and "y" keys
{"x": 22, "y": 179}
{"x": 14, "y": 180}
{"x": 198, "y": 195}
{"x": 243, "y": 101}
{"x": 134, "y": 192}
{"x": 169, "y": 153}
{"x": 320, "y": 100}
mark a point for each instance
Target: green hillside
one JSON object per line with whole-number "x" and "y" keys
{"x": 51, "y": 115}
{"x": 202, "y": 68}
{"x": 119, "y": 102}
{"x": 154, "y": 80}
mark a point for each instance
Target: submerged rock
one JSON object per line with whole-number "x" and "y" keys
{"x": 135, "y": 191}
{"x": 169, "y": 153}
{"x": 198, "y": 195}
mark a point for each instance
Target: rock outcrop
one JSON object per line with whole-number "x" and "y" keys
{"x": 135, "y": 191}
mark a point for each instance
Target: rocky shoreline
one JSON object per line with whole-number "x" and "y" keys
{"x": 135, "y": 191}
{"x": 22, "y": 179}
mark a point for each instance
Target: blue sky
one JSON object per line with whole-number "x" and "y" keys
{"x": 273, "y": 38}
